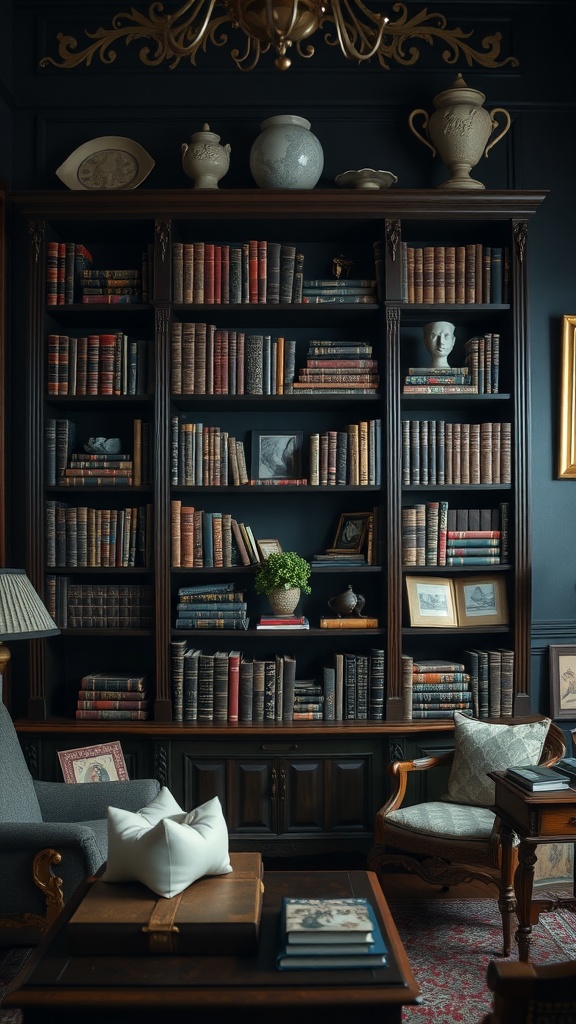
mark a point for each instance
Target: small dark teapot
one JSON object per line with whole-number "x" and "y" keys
{"x": 347, "y": 603}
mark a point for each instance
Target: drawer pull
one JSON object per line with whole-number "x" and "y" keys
{"x": 279, "y": 748}
{"x": 572, "y": 821}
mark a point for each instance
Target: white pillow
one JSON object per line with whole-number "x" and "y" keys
{"x": 164, "y": 847}
{"x": 481, "y": 747}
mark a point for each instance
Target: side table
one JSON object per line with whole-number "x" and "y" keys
{"x": 535, "y": 818}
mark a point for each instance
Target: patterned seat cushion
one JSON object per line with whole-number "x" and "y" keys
{"x": 481, "y": 747}
{"x": 444, "y": 820}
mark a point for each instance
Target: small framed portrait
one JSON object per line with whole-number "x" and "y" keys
{"x": 431, "y": 601}
{"x": 562, "y": 662}
{"x": 267, "y": 547}
{"x": 276, "y": 455}
{"x": 481, "y": 600}
{"x": 351, "y": 533}
{"x": 103, "y": 762}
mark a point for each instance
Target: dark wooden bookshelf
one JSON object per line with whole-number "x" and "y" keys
{"x": 198, "y": 761}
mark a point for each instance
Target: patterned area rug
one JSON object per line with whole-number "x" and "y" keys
{"x": 450, "y": 944}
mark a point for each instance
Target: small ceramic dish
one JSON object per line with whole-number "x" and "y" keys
{"x": 110, "y": 162}
{"x": 366, "y": 177}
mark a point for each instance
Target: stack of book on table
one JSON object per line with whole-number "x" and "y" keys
{"x": 329, "y": 933}
{"x": 537, "y": 778}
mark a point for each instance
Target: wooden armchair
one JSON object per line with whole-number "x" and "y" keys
{"x": 445, "y": 842}
{"x": 524, "y": 993}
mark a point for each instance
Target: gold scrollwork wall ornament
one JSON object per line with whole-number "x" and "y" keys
{"x": 278, "y": 24}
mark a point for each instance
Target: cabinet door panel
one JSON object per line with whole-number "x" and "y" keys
{"x": 203, "y": 780}
{"x": 348, "y": 797}
{"x": 302, "y": 796}
{"x": 253, "y": 797}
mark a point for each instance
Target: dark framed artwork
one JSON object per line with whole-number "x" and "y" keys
{"x": 276, "y": 455}
{"x": 562, "y": 662}
{"x": 351, "y": 532}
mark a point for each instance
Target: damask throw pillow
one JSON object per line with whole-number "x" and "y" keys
{"x": 164, "y": 847}
{"x": 481, "y": 747}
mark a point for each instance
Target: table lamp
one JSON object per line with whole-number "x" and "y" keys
{"x": 23, "y": 616}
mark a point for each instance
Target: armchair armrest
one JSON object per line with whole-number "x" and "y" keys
{"x": 400, "y": 770}
{"x": 60, "y": 801}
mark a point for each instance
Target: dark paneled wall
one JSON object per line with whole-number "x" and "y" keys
{"x": 360, "y": 114}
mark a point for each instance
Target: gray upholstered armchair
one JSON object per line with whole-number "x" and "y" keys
{"x": 45, "y": 825}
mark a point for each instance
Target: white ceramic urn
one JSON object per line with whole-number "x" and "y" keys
{"x": 204, "y": 159}
{"x": 286, "y": 154}
{"x": 459, "y": 131}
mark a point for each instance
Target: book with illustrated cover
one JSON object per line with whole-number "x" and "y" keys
{"x": 329, "y": 933}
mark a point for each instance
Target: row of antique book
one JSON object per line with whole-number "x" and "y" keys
{"x": 456, "y": 274}
{"x": 440, "y": 452}
{"x": 71, "y": 277}
{"x": 223, "y": 361}
{"x": 98, "y": 364}
{"x": 435, "y": 534}
{"x": 479, "y": 376}
{"x": 99, "y": 605}
{"x": 231, "y": 686}
{"x": 255, "y": 271}
{"x": 66, "y": 466}
{"x": 209, "y": 456}
{"x": 81, "y": 536}
{"x": 482, "y": 686}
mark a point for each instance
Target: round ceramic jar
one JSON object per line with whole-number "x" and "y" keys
{"x": 286, "y": 154}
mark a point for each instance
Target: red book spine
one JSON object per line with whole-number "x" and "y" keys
{"x": 218, "y": 274}
{"x": 209, "y": 273}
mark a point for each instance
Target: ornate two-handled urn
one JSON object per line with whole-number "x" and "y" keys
{"x": 459, "y": 131}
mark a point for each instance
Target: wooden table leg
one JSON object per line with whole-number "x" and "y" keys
{"x": 523, "y": 884}
{"x": 507, "y": 898}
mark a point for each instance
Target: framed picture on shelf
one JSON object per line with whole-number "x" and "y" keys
{"x": 562, "y": 663}
{"x": 481, "y": 600}
{"x": 431, "y": 601}
{"x": 351, "y": 533}
{"x": 567, "y": 437}
{"x": 103, "y": 762}
{"x": 276, "y": 455}
{"x": 268, "y": 547}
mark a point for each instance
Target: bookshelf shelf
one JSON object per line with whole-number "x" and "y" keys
{"x": 199, "y": 760}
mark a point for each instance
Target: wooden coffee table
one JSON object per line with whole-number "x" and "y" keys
{"x": 56, "y": 986}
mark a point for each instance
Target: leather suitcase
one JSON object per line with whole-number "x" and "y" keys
{"x": 216, "y": 915}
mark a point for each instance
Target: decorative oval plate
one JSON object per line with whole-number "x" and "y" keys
{"x": 366, "y": 177}
{"x": 110, "y": 162}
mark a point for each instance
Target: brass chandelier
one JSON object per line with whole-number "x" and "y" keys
{"x": 277, "y": 25}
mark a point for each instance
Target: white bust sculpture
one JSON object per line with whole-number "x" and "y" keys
{"x": 439, "y": 339}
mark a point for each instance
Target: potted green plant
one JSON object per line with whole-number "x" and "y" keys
{"x": 282, "y": 576}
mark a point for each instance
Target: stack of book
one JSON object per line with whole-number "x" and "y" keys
{"x": 473, "y": 547}
{"x": 111, "y": 286}
{"x": 106, "y": 696}
{"x": 339, "y": 290}
{"x": 342, "y": 367}
{"x": 449, "y": 380}
{"x": 310, "y": 701}
{"x": 329, "y": 933}
{"x": 537, "y": 778}
{"x": 435, "y": 688}
{"x": 216, "y": 608}
{"x": 283, "y": 622}
{"x": 91, "y": 470}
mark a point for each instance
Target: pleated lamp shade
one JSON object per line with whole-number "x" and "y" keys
{"x": 23, "y": 616}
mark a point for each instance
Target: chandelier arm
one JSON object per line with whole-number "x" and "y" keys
{"x": 346, "y": 35}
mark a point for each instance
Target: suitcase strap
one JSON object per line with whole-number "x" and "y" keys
{"x": 161, "y": 929}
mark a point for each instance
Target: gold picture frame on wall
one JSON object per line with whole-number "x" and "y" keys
{"x": 567, "y": 439}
